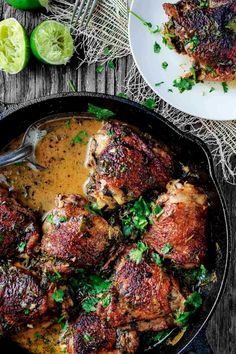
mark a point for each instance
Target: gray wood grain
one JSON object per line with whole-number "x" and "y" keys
{"x": 39, "y": 80}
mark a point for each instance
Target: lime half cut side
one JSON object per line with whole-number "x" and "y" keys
{"x": 14, "y": 46}
{"x": 28, "y": 4}
{"x": 51, "y": 43}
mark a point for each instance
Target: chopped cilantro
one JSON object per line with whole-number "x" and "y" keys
{"x": 54, "y": 277}
{"x": 212, "y": 89}
{"x": 156, "y": 30}
{"x": 166, "y": 39}
{"x": 183, "y": 317}
{"x": 88, "y": 338}
{"x": 106, "y": 51}
{"x": 170, "y": 90}
{"x": 110, "y": 132}
{"x": 159, "y": 83}
{"x": 204, "y": 3}
{"x": 21, "y": 246}
{"x": 150, "y": 103}
{"x": 231, "y": 25}
{"x": 193, "y": 42}
{"x": 225, "y": 87}
{"x": 167, "y": 248}
{"x": 158, "y": 337}
{"x": 50, "y": 218}
{"x": 67, "y": 124}
{"x": 136, "y": 254}
{"x": 71, "y": 86}
{"x": 38, "y": 335}
{"x": 62, "y": 321}
{"x": 63, "y": 219}
{"x": 93, "y": 208}
{"x": 26, "y": 312}
{"x": 90, "y": 304}
{"x": 110, "y": 64}
{"x": 122, "y": 95}
{"x": 158, "y": 210}
{"x": 106, "y": 301}
{"x": 18, "y": 163}
{"x": 58, "y": 295}
{"x": 209, "y": 69}
{"x": 127, "y": 230}
{"x": 79, "y": 138}
{"x": 184, "y": 84}
{"x": 156, "y": 47}
{"x": 193, "y": 302}
{"x": 123, "y": 168}
{"x": 100, "y": 113}
{"x": 164, "y": 65}
{"x": 100, "y": 68}
{"x": 157, "y": 259}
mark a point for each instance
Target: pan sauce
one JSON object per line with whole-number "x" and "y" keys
{"x": 65, "y": 173}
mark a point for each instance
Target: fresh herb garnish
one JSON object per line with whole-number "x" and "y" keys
{"x": 212, "y": 89}
{"x": 71, "y": 86}
{"x": 110, "y": 64}
{"x": 184, "y": 84}
{"x": 18, "y": 163}
{"x": 67, "y": 124}
{"x": 157, "y": 259}
{"x": 63, "y": 218}
{"x": 90, "y": 304}
{"x": 167, "y": 248}
{"x": 225, "y": 87}
{"x": 158, "y": 210}
{"x": 146, "y": 23}
{"x": 150, "y": 103}
{"x": 122, "y": 95}
{"x": 231, "y": 25}
{"x": 209, "y": 69}
{"x": 38, "y": 335}
{"x": 156, "y": 48}
{"x": 106, "y": 301}
{"x": 100, "y": 113}
{"x": 21, "y": 246}
{"x": 170, "y": 90}
{"x": 166, "y": 39}
{"x": 110, "y": 132}
{"x": 50, "y": 218}
{"x": 79, "y": 138}
{"x": 62, "y": 321}
{"x": 159, "y": 83}
{"x": 100, "y": 68}
{"x": 204, "y": 3}
{"x": 54, "y": 277}
{"x": 123, "y": 168}
{"x": 164, "y": 65}
{"x": 93, "y": 208}
{"x": 26, "y": 312}
{"x": 193, "y": 302}
{"x": 58, "y": 295}
{"x": 136, "y": 254}
{"x": 192, "y": 42}
{"x": 158, "y": 337}
{"x": 88, "y": 338}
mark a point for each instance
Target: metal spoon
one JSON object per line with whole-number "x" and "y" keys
{"x": 32, "y": 136}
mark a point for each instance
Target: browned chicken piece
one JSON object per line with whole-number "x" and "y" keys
{"x": 178, "y": 232}
{"x": 205, "y": 31}
{"x": 19, "y": 232}
{"x": 143, "y": 296}
{"x": 89, "y": 335}
{"x": 76, "y": 237}
{"x": 23, "y": 299}
{"x": 123, "y": 165}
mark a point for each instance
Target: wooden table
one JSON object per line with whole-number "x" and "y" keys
{"x": 39, "y": 80}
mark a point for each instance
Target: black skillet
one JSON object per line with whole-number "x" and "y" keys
{"x": 188, "y": 149}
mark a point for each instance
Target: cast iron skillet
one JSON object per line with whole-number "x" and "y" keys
{"x": 190, "y": 150}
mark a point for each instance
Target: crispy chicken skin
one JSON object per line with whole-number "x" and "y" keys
{"x": 17, "y": 226}
{"x": 143, "y": 296}
{"x": 23, "y": 299}
{"x": 88, "y": 334}
{"x": 75, "y": 236}
{"x": 182, "y": 225}
{"x": 123, "y": 165}
{"x": 206, "y": 34}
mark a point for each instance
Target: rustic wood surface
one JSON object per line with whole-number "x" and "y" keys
{"x": 39, "y": 80}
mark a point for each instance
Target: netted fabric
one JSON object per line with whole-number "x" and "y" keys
{"x": 109, "y": 28}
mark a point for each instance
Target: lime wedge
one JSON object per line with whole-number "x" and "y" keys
{"x": 27, "y": 4}
{"x": 14, "y": 46}
{"x": 51, "y": 43}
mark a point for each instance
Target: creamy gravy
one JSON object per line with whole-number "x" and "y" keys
{"x": 65, "y": 173}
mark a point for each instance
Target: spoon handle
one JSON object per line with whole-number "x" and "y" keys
{"x": 15, "y": 156}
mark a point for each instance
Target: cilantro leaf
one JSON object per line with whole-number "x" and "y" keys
{"x": 159, "y": 83}
{"x": 204, "y": 3}
{"x": 21, "y": 246}
{"x": 167, "y": 248}
{"x": 225, "y": 87}
{"x": 67, "y": 124}
{"x": 79, "y": 138}
{"x": 88, "y": 338}
{"x": 157, "y": 259}
{"x": 54, "y": 277}
{"x": 150, "y": 103}
{"x": 100, "y": 113}
{"x": 58, "y": 295}
{"x": 90, "y": 304}
{"x": 136, "y": 254}
{"x": 164, "y": 65}
{"x": 106, "y": 301}
{"x": 93, "y": 208}
{"x": 211, "y": 89}
{"x": 193, "y": 42}
{"x": 156, "y": 48}
{"x": 194, "y": 300}
{"x": 184, "y": 84}
{"x": 50, "y": 218}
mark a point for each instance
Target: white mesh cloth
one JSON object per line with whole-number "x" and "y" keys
{"x": 109, "y": 28}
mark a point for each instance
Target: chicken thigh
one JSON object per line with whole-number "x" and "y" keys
{"x": 74, "y": 236}
{"x": 19, "y": 232}
{"x": 88, "y": 334}
{"x": 178, "y": 231}
{"x": 143, "y": 296}
{"x": 123, "y": 165}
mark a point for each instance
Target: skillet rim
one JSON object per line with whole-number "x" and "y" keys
{"x": 185, "y": 135}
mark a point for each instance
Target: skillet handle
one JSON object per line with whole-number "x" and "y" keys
{"x": 200, "y": 344}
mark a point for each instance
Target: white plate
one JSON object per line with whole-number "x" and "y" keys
{"x": 198, "y": 102}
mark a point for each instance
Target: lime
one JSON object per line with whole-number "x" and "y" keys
{"x": 27, "y": 4}
{"x": 14, "y": 46}
{"x": 51, "y": 43}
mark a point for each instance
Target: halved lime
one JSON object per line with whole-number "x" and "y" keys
{"x": 51, "y": 43}
{"x": 27, "y": 4}
{"x": 14, "y": 46}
